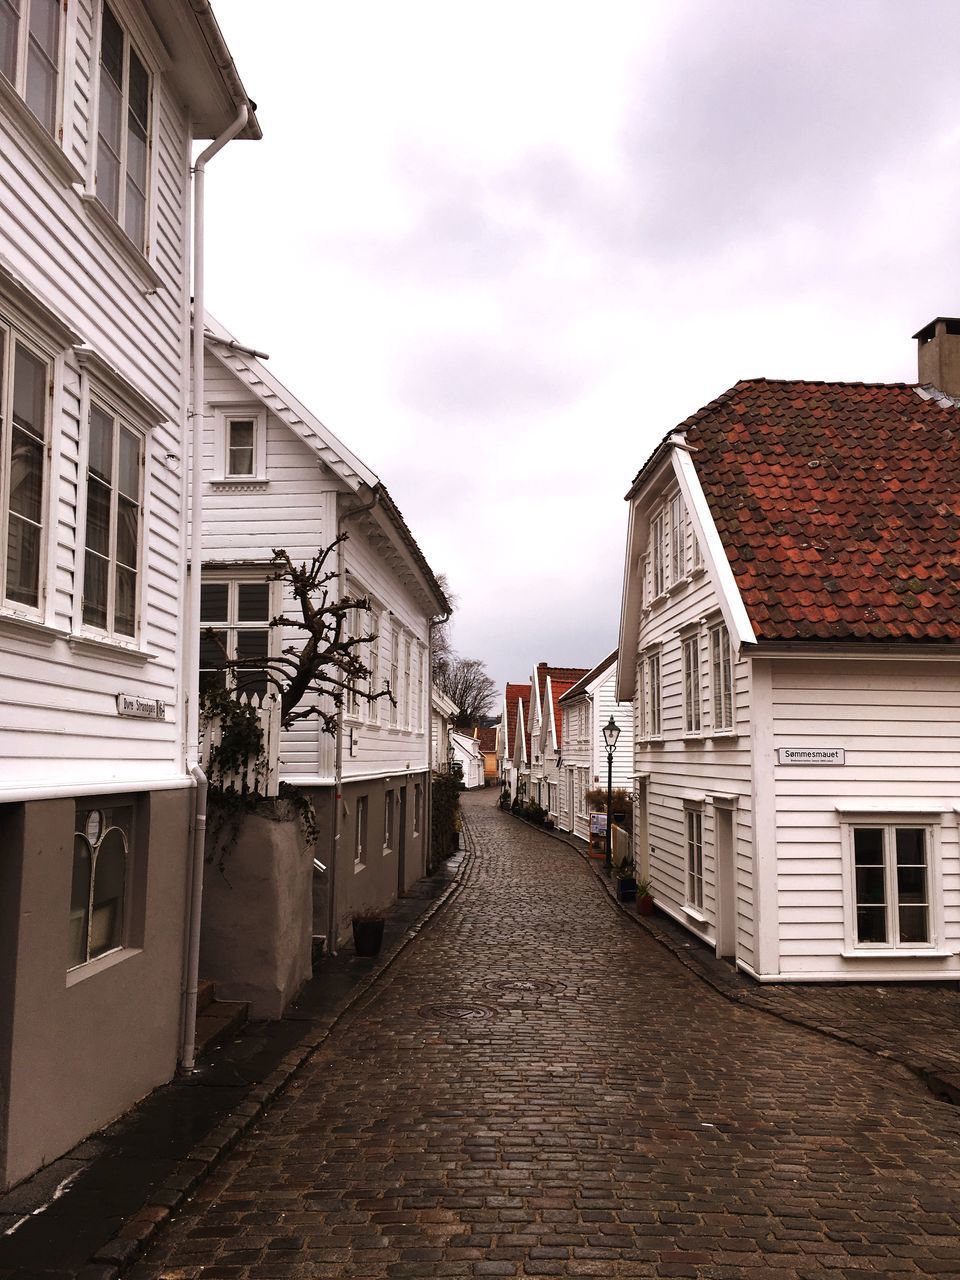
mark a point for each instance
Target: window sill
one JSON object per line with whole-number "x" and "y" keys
{"x": 674, "y": 587}
{"x": 42, "y": 141}
{"x": 110, "y": 648}
{"x": 106, "y": 223}
{"x": 898, "y": 953}
{"x": 724, "y": 735}
{"x": 697, "y": 572}
{"x": 359, "y": 866}
{"x": 387, "y": 850}
{"x": 696, "y": 916}
{"x": 695, "y": 739}
{"x": 23, "y": 627}
{"x": 655, "y": 740}
{"x": 248, "y": 484}
{"x": 102, "y": 963}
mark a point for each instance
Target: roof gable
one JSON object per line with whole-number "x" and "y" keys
{"x": 512, "y": 704}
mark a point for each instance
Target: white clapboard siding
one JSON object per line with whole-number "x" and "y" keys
{"x": 683, "y": 769}
{"x": 58, "y": 717}
{"x": 898, "y": 722}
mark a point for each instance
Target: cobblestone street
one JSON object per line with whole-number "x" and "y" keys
{"x": 537, "y": 1088}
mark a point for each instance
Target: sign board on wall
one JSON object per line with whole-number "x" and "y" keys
{"x": 598, "y": 824}
{"x": 810, "y": 755}
{"x": 131, "y": 704}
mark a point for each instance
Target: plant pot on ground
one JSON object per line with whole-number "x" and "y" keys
{"x": 644, "y": 898}
{"x": 368, "y": 932}
{"x": 626, "y": 881}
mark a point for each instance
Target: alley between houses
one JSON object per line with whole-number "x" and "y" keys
{"x": 536, "y": 1087}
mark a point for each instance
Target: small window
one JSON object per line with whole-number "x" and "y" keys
{"x": 652, "y": 697}
{"x": 582, "y": 787}
{"x": 553, "y": 799}
{"x": 24, "y": 417}
{"x": 892, "y": 886}
{"x": 407, "y": 686}
{"x": 101, "y": 852}
{"x": 389, "y": 814}
{"x": 694, "y": 823}
{"x": 113, "y": 524}
{"x": 234, "y": 625}
{"x": 360, "y": 855}
{"x": 691, "y": 685}
{"x": 240, "y": 446}
{"x": 657, "y": 567}
{"x": 721, "y": 675}
{"x": 677, "y": 548}
{"x": 30, "y": 54}
{"x": 123, "y": 127}
{"x": 394, "y": 672}
{"x": 421, "y": 663}
{"x": 373, "y": 662}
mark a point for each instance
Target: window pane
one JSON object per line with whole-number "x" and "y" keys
{"x": 106, "y": 924}
{"x": 213, "y": 649}
{"x": 240, "y": 459}
{"x": 95, "y": 590}
{"x": 45, "y": 26}
{"x": 29, "y": 386}
{"x": 79, "y": 901}
{"x": 135, "y": 215}
{"x": 128, "y": 480}
{"x": 9, "y": 38}
{"x": 26, "y": 475}
{"x": 128, "y": 529}
{"x": 108, "y": 179}
{"x": 868, "y": 846}
{"x": 125, "y": 602}
{"x": 23, "y": 562}
{"x": 914, "y": 925}
{"x": 111, "y": 47}
{"x": 139, "y": 93}
{"x": 214, "y": 599}
{"x": 870, "y": 873}
{"x": 871, "y": 885}
{"x": 252, "y": 645}
{"x": 98, "y": 517}
{"x": 41, "y": 93}
{"x": 253, "y": 602}
{"x": 871, "y": 924}
{"x": 910, "y": 847}
{"x": 100, "y": 462}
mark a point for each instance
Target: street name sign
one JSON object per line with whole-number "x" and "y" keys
{"x": 131, "y": 704}
{"x": 810, "y": 755}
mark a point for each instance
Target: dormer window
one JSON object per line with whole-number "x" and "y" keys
{"x": 30, "y": 54}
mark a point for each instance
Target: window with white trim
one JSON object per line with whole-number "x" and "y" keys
{"x": 582, "y": 787}
{"x": 657, "y": 567}
{"x": 692, "y": 709}
{"x": 101, "y": 861}
{"x": 407, "y": 684}
{"x": 241, "y": 447}
{"x": 693, "y": 819}
{"x": 360, "y": 833}
{"x": 645, "y": 591}
{"x": 25, "y": 378}
{"x": 30, "y": 54}
{"x": 373, "y": 662}
{"x": 652, "y": 696}
{"x": 123, "y": 129}
{"x": 113, "y": 525}
{"x": 421, "y": 664}
{"x": 677, "y": 547}
{"x": 354, "y": 629}
{"x": 721, "y": 678}
{"x": 553, "y": 799}
{"x": 394, "y": 671}
{"x": 892, "y": 885}
{"x": 235, "y": 624}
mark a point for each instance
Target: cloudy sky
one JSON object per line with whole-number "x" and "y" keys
{"x": 500, "y": 248}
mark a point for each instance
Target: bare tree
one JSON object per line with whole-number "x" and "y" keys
{"x": 465, "y": 680}
{"x": 442, "y": 653}
{"x": 317, "y": 673}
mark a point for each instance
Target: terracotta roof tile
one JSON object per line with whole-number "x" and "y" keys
{"x": 838, "y": 505}
{"x": 513, "y": 694}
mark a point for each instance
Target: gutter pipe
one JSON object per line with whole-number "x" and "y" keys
{"x": 192, "y": 647}
{"x": 342, "y": 518}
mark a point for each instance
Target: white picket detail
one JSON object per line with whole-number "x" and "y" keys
{"x": 620, "y": 845}
{"x": 268, "y": 713}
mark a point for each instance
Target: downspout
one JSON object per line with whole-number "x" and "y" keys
{"x": 342, "y": 517}
{"x": 438, "y": 621}
{"x": 192, "y": 646}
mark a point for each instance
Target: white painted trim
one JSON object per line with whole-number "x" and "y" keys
{"x": 21, "y": 795}
{"x": 854, "y": 973}
{"x": 711, "y": 547}
{"x": 764, "y": 812}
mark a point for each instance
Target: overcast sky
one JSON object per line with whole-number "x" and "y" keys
{"x": 500, "y": 248}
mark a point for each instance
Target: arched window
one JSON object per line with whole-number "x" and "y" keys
{"x": 100, "y": 858}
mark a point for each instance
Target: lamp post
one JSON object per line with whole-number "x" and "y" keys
{"x": 611, "y": 732}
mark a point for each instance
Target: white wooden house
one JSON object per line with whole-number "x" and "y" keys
{"x": 585, "y": 708}
{"x": 100, "y": 101}
{"x": 467, "y": 754}
{"x": 789, "y": 632}
{"x": 510, "y": 736}
{"x": 551, "y": 741}
{"x": 275, "y": 476}
{"x": 443, "y": 713}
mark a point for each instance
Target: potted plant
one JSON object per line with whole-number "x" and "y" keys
{"x": 644, "y": 898}
{"x": 626, "y": 881}
{"x": 368, "y": 932}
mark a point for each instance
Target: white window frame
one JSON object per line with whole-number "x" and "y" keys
{"x": 652, "y": 706}
{"x": 233, "y": 582}
{"x": 722, "y": 681}
{"x": 16, "y": 334}
{"x": 888, "y": 822}
{"x": 407, "y": 718}
{"x": 658, "y": 568}
{"x": 19, "y": 82}
{"x": 553, "y": 799}
{"x": 373, "y": 663}
{"x": 690, "y": 651}
{"x": 394, "y": 681}
{"x": 97, "y": 399}
{"x": 421, "y": 668}
{"x": 694, "y": 862}
{"x": 677, "y": 540}
{"x": 104, "y": 806}
{"x": 241, "y": 413}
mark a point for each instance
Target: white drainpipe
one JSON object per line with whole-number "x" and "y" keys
{"x": 191, "y": 674}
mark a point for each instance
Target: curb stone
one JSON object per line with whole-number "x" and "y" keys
{"x": 113, "y": 1258}
{"x": 945, "y": 1087}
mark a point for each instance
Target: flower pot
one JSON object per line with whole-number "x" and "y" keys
{"x": 367, "y": 937}
{"x": 626, "y": 888}
{"x": 645, "y": 905}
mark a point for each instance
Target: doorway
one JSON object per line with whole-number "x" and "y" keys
{"x": 402, "y": 844}
{"x": 726, "y": 863}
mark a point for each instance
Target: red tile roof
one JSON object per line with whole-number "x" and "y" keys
{"x": 487, "y": 739}
{"x": 559, "y": 688}
{"x": 838, "y": 505}
{"x": 514, "y": 693}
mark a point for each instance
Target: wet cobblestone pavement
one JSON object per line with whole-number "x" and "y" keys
{"x": 536, "y": 1087}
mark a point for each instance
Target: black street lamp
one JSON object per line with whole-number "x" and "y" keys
{"x": 611, "y": 732}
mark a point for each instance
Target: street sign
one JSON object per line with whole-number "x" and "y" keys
{"x": 811, "y": 755}
{"x": 131, "y": 704}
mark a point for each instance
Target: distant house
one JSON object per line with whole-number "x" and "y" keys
{"x": 585, "y": 709}
{"x": 544, "y": 732}
{"x": 488, "y": 745}
{"x": 443, "y": 714}
{"x": 276, "y": 476}
{"x": 101, "y": 104}
{"x": 467, "y": 754}
{"x": 511, "y": 744}
{"x": 551, "y": 741}
{"x": 790, "y": 633}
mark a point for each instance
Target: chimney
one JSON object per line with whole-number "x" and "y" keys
{"x": 938, "y": 355}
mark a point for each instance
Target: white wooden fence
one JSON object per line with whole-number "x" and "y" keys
{"x": 620, "y": 845}
{"x": 266, "y": 779}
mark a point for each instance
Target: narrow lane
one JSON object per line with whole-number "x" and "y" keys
{"x": 537, "y": 1088}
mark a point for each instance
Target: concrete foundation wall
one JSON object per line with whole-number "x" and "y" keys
{"x": 79, "y": 1048}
